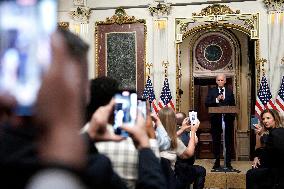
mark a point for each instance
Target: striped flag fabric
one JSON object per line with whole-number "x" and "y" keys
{"x": 279, "y": 102}
{"x": 264, "y": 98}
{"x": 149, "y": 94}
{"x": 166, "y": 96}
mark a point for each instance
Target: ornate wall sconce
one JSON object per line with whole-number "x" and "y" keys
{"x": 160, "y": 9}
{"x": 81, "y": 14}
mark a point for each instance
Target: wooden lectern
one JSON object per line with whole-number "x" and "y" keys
{"x": 224, "y": 110}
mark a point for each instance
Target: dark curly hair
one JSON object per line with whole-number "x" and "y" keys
{"x": 102, "y": 89}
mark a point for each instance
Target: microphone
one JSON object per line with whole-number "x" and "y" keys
{"x": 221, "y": 91}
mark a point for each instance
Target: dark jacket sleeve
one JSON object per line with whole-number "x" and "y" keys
{"x": 90, "y": 144}
{"x": 230, "y": 98}
{"x": 150, "y": 174}
{"x": 211, "y": 98}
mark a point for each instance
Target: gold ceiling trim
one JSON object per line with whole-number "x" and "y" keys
{"x": 216, "y": 9}
{"x": 120, "y": 17}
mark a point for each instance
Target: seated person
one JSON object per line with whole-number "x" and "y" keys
{"x": 256, "y": 177}
{"x": 185, "y": 168}
{"x": 177, "y": 148}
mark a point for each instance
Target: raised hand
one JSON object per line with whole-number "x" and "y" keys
{"x": 98, "y": 125}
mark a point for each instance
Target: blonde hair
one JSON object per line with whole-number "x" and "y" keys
{"x": 168, "y": 119}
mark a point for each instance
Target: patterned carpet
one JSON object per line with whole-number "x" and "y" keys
{"x": 225, "y": 180}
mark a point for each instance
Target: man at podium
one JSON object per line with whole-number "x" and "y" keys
{"x": 221, "y": 96}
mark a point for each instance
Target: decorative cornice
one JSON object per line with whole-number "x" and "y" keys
{"x": 161, "y": 9}
{"x": 247, "y": 23}
{"x": 274, "y": 5}
{"x": 81, "y": 14}
{"x": 120, "y": 17}
{"x": 216, "y": 9}
{"x": 209, "y": 26}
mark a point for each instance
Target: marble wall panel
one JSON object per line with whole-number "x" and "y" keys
{"x": 120, "y": 51}
{"x": 121, "y": 58}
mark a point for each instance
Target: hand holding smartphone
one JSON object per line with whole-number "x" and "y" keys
{"x": 254, "y": 122}
{"x": 193, "y": 117}
{"x": 25, "y": 52}
{"x": 142, "y": 107}
{"x": 125, "y": 111}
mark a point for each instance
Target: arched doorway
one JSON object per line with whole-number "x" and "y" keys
{"x": 199, "y": 59}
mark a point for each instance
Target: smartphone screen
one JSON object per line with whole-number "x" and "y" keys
{"x": 25, "y": 53}
{"x": 193, "y": 117}
{"x": 254, "y": 121}
{"x": 142, "y": 107}
{"x": 125, "y": 111}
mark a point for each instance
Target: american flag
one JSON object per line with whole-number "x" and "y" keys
{"x": 166, "y": 97}
{"x": 264, "y": 97}
{"x": 279, "y": 102}
{"x": 149, "y": 94}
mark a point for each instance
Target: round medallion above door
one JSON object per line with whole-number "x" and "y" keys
{"x": 213, "y": 52}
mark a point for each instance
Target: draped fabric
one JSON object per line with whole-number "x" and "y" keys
{"x": 160, "y": 51}
{"x": 276, "y": 49}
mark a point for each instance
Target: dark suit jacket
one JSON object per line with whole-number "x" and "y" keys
{"x": 216, "y": 119}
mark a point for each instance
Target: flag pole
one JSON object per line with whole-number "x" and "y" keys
{"x": 148, "y": 67}
{"x": 165, "y": 64}
{"x": 260, "y": 62}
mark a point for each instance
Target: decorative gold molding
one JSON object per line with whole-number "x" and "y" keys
{"x": 160, "y": 9}
{"x": 63, "y": 25}
{"x": 216, "y": 25}
{"x": 216, "y": 9}
{"x": 274, "y": 5}
{"x": 221, "y": 16}
{"x": 257, "y": 55}
{"x": 120, "y": 17}
{"x": 81, "y": 14}
{"x": 178, "y": 77}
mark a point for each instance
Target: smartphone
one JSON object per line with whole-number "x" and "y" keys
{"x": 125, "y": 111}
{"x": 142, "y": 107}
{"x": 25, "y": 52}
{"x": 254, "y": 121}
{"x": 192, "y": 117}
